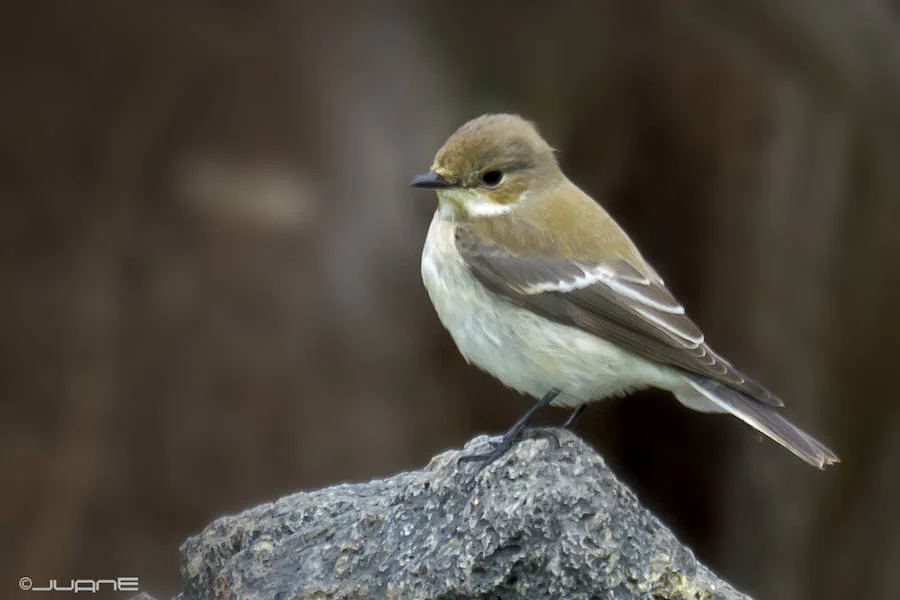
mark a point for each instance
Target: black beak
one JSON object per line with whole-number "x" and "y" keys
{"x": 430, "y": 180}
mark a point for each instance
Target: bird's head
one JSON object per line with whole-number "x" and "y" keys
{"x": 488, "y": 165}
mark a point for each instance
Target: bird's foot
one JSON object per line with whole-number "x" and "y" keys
{"x": 512, "y": 436}
{"x": 496, "y": 452}
{"x": 507, "y": 442}
{"x": 543, "y": 433}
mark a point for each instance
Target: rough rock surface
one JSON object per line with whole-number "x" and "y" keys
{"x": 541, "y": 522}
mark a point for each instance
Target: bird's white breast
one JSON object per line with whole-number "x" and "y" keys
{"x": 525, "y": 351}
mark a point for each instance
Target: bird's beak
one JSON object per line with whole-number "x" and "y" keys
{"x": 430, "y": 180}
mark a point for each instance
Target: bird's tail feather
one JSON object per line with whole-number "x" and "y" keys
{"x": 759, "y": 416}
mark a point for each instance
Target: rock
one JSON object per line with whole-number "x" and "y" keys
{"x": 546, "y": 520}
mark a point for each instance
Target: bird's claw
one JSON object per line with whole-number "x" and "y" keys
{"x": 533, "y": 433}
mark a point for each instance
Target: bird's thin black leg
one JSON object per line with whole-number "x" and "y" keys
{"x": 514, "y": 433}
{"x": 574, "y": 416}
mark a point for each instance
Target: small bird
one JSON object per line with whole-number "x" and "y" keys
{"x": 541, "y": 288}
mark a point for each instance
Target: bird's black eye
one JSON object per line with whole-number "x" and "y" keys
{"x": 491, "y": 178}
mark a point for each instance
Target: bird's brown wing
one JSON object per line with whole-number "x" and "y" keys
{"x": 613, "y": 300}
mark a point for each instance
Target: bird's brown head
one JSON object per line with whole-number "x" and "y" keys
{"x": 488, "y": 165}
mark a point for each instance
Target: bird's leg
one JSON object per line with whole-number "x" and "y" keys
{"x": 513, "y": 435}
{"x": 574, "y": 416}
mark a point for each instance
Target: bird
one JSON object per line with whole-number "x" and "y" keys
{"x": 541, "y": 288}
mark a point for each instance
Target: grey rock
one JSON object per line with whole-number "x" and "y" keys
{"x": 546, "y": 520}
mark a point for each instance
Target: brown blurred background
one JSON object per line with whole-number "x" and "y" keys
{"x": 209, "y": 279}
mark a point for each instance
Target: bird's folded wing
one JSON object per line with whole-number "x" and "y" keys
{"x": 612, "y": 300}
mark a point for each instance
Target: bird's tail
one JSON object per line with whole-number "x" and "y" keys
{"x": 712, "y": 396}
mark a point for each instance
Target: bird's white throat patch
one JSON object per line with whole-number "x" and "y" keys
{"x": 456, "y": 201}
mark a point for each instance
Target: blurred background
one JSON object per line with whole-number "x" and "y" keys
{"x": 210, "y": 261}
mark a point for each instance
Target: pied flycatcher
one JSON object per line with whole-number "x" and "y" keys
{"x": 543, "y": 290}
